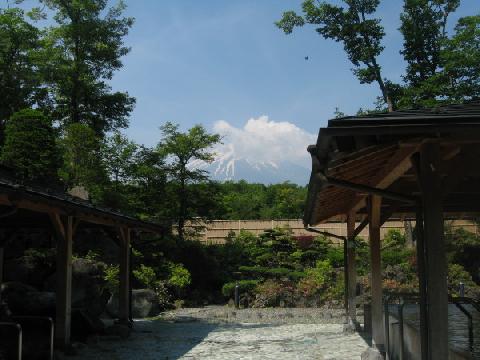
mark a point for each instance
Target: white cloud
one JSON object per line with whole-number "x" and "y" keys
{"x": 264, "y": 140}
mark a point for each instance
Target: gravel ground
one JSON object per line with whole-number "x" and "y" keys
{"x": 219, "y": 333}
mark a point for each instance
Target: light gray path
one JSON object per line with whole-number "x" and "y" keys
{"x": 193, "y": 339}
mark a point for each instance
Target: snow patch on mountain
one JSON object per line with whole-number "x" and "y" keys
{"x": 262, "y": 151}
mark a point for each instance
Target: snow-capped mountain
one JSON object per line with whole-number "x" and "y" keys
{"x": 262, "y": 151}
{"x": 228, "y": 167}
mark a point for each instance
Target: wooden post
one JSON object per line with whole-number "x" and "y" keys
{"x": 352, "y": 270}
{"x": 421, "y": 261}
{"x": 435, "y": 256}
{"x": 64, "y": 234}
{"x": 1, "y": 269}
{"x": 374, "y": 214}
{"x": 345, "y": 285}
{"x": 124, "y": 290}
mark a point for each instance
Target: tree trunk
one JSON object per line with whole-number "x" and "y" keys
{"x": 383, "y": 87}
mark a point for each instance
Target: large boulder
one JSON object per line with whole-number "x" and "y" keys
{"x": 84, "y": 325}
{"x": 31, "y": 269}
{"x": 89, "y": 290}
{"x": 145, "y": 303}
{"x": 23, "y": 299}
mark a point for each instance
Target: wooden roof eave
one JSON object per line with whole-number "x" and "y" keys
{"x": 20, "y": 198}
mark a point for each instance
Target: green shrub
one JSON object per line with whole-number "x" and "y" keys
{"x": 92, "y": 255}
{"x": 112, "y": 277}
{"x": 321, "y": 282}
{"x": 456, "y": 275}
{"x": 42, "y": 256}
{"x": 163, "y": 295}
{"x": 245, "y": 286}
{"x": 275, "y": 293}
{"x": 322, "y": 273}
{"x": 265, "y": 273}
{"x": 335, "y": 256}
{"x": 146, "y": 276}
{"x": 179, "y": 276}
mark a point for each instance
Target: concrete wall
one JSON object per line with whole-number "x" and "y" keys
{"x": 412, "y": 349}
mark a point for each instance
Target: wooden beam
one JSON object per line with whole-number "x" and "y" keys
{"x": 397, "y": 166}
{"x": 351, "y": 269}
{"x": 374, "y": 207}
{"x": 360, "y": 228}
{"x": 435, "y": 251}
{"x": 325, "y": 233}
{"x": 64, "y": 233}
{"x": 124, "y": 290}
{"x": 58, "y": 225}
{"x": 360, "y": 188}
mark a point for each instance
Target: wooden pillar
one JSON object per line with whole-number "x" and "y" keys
{"x": 1, "y": 269}
{"x": 435, "y": 256}
{"x": 64, "y": 232}
{"x": 421, "y": 264}
{"x": 345, "y": 285}
{"x": 374, "y": 214}
{"x": 124, "y": 290}
{"x": 352, "y": 269}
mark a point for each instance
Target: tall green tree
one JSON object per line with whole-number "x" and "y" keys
{"x": 84, "y": 50}
{"x": 181, "y": 149}
{"x": 119, "y": 154}
{"x": 30, "y": 147}
{"x": 20, "y": 78}
{"x": 149, "y": 178}
{"x": 424, "y": 29}
{"x": 354, "y": 26}
{"x": 460, "y": 62}
{"x": 82, "y": 162}
{"x": 423, "y": 25}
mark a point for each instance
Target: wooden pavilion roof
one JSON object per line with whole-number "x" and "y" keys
{"x": 375, "y": 152}
{"x": 16, "y": 196}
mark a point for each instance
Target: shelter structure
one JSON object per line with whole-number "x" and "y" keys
{"x": 417, "y": 163}
{"x": 32, "y": 206}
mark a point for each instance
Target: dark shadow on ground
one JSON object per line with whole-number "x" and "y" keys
{"x": 367, "y": 337}
{"x": 177, "y": 339}
{"x": 162, "y": 339}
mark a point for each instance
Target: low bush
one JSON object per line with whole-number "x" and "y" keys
{"x": 146, "y": 276}
{"x": 273, "y": 293}
{"x": 245, "y": 286}
{"x": 112, "y": 277}
{"x": 456, "y": 275}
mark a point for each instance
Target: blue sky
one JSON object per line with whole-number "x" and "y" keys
{"x": 204, "y": 61}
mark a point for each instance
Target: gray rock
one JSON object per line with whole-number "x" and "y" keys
{"x": 23, "y": 299}
{"x": 372, "y": 354}
{"x": 144, "y": 304}
{"x": 88, "y": 286}
{"x": 29, "y": 270}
